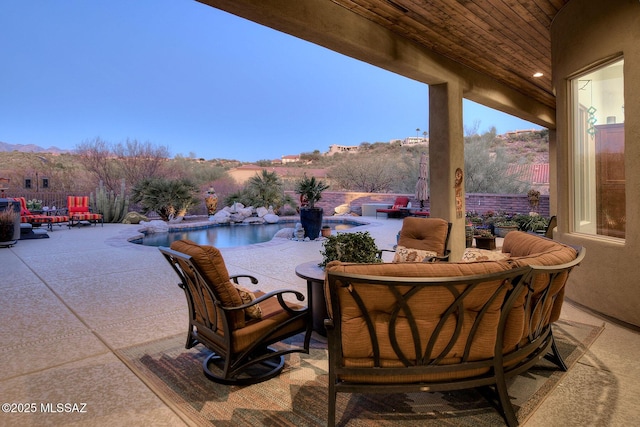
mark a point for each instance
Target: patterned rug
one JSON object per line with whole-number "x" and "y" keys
{"x": 298, "y": 396}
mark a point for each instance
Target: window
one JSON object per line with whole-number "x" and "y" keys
{"x": 27, "y": 183}
{"x": 598, "y": 151}
{"x": 45, "y": 182}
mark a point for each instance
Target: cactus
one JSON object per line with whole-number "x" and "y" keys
{"x": 112, "y": 207}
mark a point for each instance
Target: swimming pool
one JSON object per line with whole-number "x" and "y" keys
{"x": 229, "y": 236}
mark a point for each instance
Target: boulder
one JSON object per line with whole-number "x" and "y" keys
{"x": 246, "y": 212}
{"x": 262, "y": 211}
{"x": 134, "y": 218}
{"x": 271, "y": 218}
{"x": 342, "y": 209}
{"x": 284, "y": 233}
{"x": 155, "y": 226}
{"x": 236, "y": 217}
{"x": 220, "y": 217}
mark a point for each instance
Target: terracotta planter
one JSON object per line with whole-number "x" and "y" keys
{"x": 326, "y": 231}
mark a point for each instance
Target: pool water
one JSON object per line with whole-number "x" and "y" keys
{"x": 228, "y": 236}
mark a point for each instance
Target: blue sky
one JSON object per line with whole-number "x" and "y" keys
{"x": 195, "y": 79}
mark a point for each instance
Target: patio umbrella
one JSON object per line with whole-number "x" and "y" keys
{"x": 422, "y": 186}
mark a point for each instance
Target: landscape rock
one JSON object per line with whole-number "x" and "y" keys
{"x": 155, "y": 226}
{"x": 134, "y": 218}
{"x": 253, "y": 220}
{"x": 284, "y": 233}
{"x": 220, "y": 217}
{"x": 271, "y": 218}
{"x": 342, "y": 209}
{"x": 262, "y": 211}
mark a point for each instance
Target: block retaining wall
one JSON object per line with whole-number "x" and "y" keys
{"x": 481, "y": 203}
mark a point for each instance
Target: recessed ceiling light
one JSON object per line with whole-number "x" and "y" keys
{"x": 538, "y": 74}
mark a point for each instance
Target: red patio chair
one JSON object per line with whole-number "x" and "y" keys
{"x": 401, "y": 202}
{"x": 78, "y": 207}
{"x": 39, "y": 219}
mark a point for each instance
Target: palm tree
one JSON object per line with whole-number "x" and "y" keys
{"x": 266, "y": 189}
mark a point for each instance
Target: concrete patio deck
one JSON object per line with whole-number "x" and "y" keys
{"x": 68, "y": 302}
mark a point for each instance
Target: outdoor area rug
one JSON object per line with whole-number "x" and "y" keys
{"x": 298, "y": 396}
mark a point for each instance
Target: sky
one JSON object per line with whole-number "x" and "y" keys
{"x": 197, "y": 80}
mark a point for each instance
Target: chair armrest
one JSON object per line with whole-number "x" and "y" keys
{"x": 235, "y": 278}
{"x": 278, "y": 294}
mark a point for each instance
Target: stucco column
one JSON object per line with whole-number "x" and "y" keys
{"x": 446, "y": 154}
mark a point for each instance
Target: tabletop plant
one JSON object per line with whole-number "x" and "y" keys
{"x": 350, "y": 247}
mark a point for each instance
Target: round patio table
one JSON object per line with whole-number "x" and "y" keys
{"x": 314, "y": 275}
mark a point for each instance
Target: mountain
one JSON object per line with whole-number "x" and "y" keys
{"x": 30, "y": 148}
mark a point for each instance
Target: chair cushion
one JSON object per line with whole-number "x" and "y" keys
{"x": 530, "y": 250}
{"x": 427, "y": 307}
{"x": 437, "y": 269}
{"x": 427, "y": 234}
{"x": 474, "y": 254}
{"x": 247, "y": 296}
{"x": 521, "y": 244}
{"x": 210, "y": 261}
{"x": 404, "y": 254}
{"x": 77, "y": 204}
{"x": 86, "y": 216}
{"x": 272, "y": 316}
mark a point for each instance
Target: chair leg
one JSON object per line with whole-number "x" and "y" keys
{"x": 555, "y": 356}
{"x": 331, "y": 416}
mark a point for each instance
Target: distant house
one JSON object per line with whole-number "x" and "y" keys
{"x": 516, "y": 133}
{"x": 335, "y": 148}
{"x": 291, "y": 158}
{"x": 415, "y": 140}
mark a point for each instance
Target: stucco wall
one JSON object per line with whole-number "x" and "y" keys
{"x": 585, "y": 33}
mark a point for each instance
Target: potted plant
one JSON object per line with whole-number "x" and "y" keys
{"x": 326, "y": 231}
{"x": 533, "y": 222}
{"x": 34, "y": 205}
{"x": 485, "y": 239}
{"x": 501, "y": 228}
{"x": 8, "y": 221}
{"x": 350, "y": 247}
{"x": 310, "y": 190}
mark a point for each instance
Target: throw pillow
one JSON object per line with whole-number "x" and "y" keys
{"x": 253, "y": 312}
{"x": 404, "y": 254}
{"x": 474, "y": 254}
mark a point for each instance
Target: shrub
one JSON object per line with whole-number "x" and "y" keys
{"x": 350, "y": 247}
{"x": 168, "y": 198}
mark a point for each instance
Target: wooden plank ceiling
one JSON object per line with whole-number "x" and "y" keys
{"x": 507, "y": 39}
